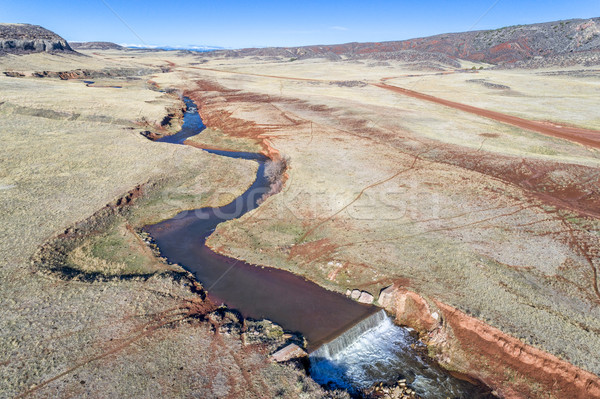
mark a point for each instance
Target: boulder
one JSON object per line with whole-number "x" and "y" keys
{"x": 412, "y": 310}
{"x": 386, "y": 297}
{"x": 292, "y": 351}
{"x": 365, "y": 297}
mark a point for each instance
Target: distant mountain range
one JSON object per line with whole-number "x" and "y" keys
{"x": 26, "y": 38}
{"x": 500, "y": 46}
{"x": 114, "y": 46}
{"x": 575, "y": 40}
{"x": 198, "y": 48}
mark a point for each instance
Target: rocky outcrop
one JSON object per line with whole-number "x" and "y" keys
{"x": 499, "y": 46}
{"x": 409, "y": 308}
{"x": 96, "y": 46}
{"x": 289, "y": 352}
{"x": 360, "y": 296}
{"x": 467, "y": 345}
{"x": 365, "y": 297}
{"x": 97, "y": 73}
{"x": 13, "y": 74}
{"x": 25, "y": 38}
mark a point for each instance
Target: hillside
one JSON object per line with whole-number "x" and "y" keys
{"x": 501, "y": 46}
{"x": 25, "y": 38}
{"x": 95, "y": 46}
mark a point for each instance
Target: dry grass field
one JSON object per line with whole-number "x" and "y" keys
{"x": 127, "y": 325}
{"x": 564, "y": 96}
{"x": 497, "y": 221}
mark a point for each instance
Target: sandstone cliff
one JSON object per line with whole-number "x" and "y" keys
{"x": 25, "y": 38}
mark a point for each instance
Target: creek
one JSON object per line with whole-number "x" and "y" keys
{"x": 351, "y": 345}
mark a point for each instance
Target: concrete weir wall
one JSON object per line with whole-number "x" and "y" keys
{"x": 469, "y": 346}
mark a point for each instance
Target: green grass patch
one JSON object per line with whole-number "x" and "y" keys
{"x": 118, "y": 251}
{"x": 542, "y": 150}
{"x": 216, "y": 138}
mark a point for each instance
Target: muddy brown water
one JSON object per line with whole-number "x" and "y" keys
{"x": 298, "y": 305}
{"x": 329, "y": 321}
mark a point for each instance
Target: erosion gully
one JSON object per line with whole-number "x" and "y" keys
{"x": 351, "y": 345}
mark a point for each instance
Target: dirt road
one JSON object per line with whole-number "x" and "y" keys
{"x": 590, "y": 138}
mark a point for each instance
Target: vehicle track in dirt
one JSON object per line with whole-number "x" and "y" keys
{"x": 587, "y": 137}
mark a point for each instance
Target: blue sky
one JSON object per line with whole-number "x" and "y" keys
{"x": 237, "y": 24}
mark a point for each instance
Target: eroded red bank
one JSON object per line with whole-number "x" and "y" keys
{"x": 468, "y": 345}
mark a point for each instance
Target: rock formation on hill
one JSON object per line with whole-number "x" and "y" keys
{"x": 505, "y": 46}
{"x": 25, "y": 38}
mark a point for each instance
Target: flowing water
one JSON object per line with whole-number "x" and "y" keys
{"x": 376, "y": 350}
{"x": 352, "y": 345}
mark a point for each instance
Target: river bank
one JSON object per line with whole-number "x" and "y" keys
{"x": 334, "y": 253}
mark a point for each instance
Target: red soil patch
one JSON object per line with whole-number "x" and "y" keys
{"x": 587, "y": 137}
{"x": 258, "y": 74}
{"x": 489, "y": 135}
{"x": 220, "y": 119}
{"x": 535, "y": 177}
{"x": 314, "y": 250}
{"x": 214, "y": 116}
{"x": 501, "y": 47}
{"x": 495, "y": 356}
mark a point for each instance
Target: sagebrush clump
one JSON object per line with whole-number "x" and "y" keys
{"x": 274, "y": 171}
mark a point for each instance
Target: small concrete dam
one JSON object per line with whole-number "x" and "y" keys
{"x": 376, "y": 350}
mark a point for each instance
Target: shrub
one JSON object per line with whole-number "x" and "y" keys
{"x": 274, "y": 170}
